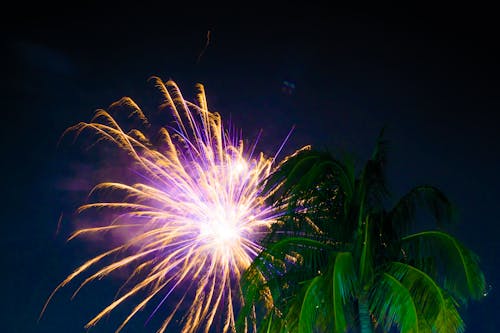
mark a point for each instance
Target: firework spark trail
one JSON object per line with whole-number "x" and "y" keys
{"x": 195, "y": 222}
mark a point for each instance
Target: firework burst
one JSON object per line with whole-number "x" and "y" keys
{"x": 193, "y": 224}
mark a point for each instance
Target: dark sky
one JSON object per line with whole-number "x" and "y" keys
{"x": 429, "y": 74}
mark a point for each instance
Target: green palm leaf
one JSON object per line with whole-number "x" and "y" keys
{"x": 391, "y": 303}
{"x": 433, "y": 305}
{"x": 306, "y": 169}
{"x": 325, "y": 297}
{"x": 366, "y": 263}
{"x": 312, "y": 301}
{"x": 345, "y": 285}
{"x": 278, "y": 271}
{"x": 442, "y": 255}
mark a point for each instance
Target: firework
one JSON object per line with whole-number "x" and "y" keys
{"x": 193, "y": 224}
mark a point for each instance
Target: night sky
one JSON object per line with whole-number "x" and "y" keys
{"x": 429, "y": 75}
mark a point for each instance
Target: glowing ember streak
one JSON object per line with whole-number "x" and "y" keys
{"x": 195, "y": 222}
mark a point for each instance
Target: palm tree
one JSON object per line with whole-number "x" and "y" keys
{"x": 339, "y": 261}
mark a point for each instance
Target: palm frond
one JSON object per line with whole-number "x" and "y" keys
{"x": 434, "y": 307}
{"x": 364, "y": 244}
{"x": 278, "y": 272}
{"x": 325, "y": 297}
{"x": 312, "y": 301}
{"x": 345, "y": 285}
{"x": 442, "y": 255}
{"x": 256, "y": 292}
{"x": 402, "y": 215}
{"x": 305, "y": 170}
{"x": 391, "y": 303}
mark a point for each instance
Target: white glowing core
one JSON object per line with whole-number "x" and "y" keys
{"x": 220, "y": 229}
{"x": 221, "y": 232}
